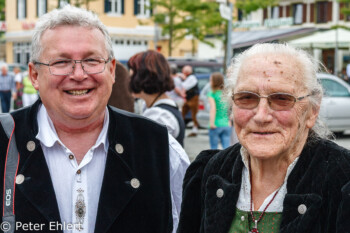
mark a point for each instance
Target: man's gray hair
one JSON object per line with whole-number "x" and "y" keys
{"x": 71, "y": 16}
{"x": 309, "y": 68}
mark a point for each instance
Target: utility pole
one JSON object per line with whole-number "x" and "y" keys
{"x": 226, "y": 10}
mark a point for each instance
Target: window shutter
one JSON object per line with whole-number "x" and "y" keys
{"x": 151, "y": 8}
{"x": 312, "y": 13}
{"x": 25, "y": 8}
{"x": 265, "y": 13}
{"x": 17, "y": 10}
{"x": 37, "y": 8}
{"x": 107, "y": 6}
{"x": 280, "y": 11}
{"x": 329, "y": 11}
{"x": 288, "y": 11}
{"x": 341, "y": 5}
{"x": 122, "y": 7}
{"x": 304, "y": 13}
{"x": 136, "y": 10}
{"x": 45, "y": 6}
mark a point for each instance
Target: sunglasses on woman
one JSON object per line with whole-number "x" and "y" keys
{"x": 277, "y": 101}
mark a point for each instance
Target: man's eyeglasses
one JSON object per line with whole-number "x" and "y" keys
{"x": 66, "y": 66}
{"x": 277, "y": 101}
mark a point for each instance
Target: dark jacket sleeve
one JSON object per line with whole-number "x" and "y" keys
{"x": 191, "y": 207}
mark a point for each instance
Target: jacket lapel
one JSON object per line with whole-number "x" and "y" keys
{"x": 221, "y": 196}
{"x": 116, "y": 191}
{"x": 37, "y": 186}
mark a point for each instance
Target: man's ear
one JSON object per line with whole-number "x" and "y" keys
{"x": 33, "y": 75}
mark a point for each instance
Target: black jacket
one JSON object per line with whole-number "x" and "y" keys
{"x": 122, "y": 208}
{"x": 319, "y": 180}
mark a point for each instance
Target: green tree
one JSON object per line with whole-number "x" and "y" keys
{"x": 345, "y": 9}
{"x": 200, "y": 20}
{"x": 181, "y": 18}
{"x": 2, "y": 10}
{"x": 248, "y": 6}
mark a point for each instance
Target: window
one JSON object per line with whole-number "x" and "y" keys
{"x": 334, "y": 89}
{"x": 321, "y": 12}
{"x": 298, "y": 13}
{"x": 63, "y": 3}
{"x": 21, "y": 9}
{"x": 275, "y": 12}
{"x": 142, "y": 8}
{"x": 114, "y": 6}
{"x": 21, "y": 52}
{"x": 41, "y": 7}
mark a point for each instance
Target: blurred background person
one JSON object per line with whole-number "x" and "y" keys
{"x": 30, "y": 94}
{"x": 178, "y": 94}
{"x": 190, "y": 83}
{"x": 121, "y": 96}
{"x": 150, "y": 80}
{"x": 18, "y": 103}
{"x": 7, "y": 88}
{"x": 219, "y": 129}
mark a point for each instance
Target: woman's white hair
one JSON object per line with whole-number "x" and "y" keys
{"x": 308, "y": 66}
{"x": 71, "y": 16}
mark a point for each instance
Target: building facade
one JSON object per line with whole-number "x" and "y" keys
{"x": 128, "y": 22}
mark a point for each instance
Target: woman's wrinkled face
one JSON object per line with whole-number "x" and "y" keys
{"x": 264, "y": 132}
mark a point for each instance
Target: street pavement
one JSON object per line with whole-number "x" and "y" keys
{"x": 194, "y": 145}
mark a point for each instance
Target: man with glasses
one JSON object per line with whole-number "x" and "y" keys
{"x": 85, "y": 166}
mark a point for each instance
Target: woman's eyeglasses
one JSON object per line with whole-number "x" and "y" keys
{"x": 277, "y": 101}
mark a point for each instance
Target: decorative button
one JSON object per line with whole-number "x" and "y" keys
{"x": 220, "y": 193}
{"x": 119, "y": 148}
{"x": 242, "y": 218}
{"x": 302, "y": 209}
{"x": 31, "y": 146}
{"x": 79, "y": 171}
{"x": 135, "y": 183}
{"x": 71, "y": 157}
{"x": 19, "y": 179}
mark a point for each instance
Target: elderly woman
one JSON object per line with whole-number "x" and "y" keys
{"x": 285, "y": 176}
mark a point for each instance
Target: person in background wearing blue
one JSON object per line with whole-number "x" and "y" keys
{"x": 7, "y": 88}
{"x": 218, "y": 114}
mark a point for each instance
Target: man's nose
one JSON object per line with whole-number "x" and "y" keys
{"x": 78, "y": 70}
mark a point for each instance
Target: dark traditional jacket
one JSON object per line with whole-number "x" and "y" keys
{"x": 122, "y": 206}
{"x": 319, "y": 180}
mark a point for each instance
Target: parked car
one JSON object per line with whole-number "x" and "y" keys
{"x": 335, "y": 106}
{"x": 334, "y": 111}
{"x": 198, "y": 66}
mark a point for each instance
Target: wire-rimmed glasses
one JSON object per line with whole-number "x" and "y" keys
{"x": 61, "y": 66}
{"x": 277, "y": 101}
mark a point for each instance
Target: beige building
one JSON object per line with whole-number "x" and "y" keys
{"x": 128, "y": 22}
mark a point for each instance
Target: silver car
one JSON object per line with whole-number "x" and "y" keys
{"x": 335, "y": 106}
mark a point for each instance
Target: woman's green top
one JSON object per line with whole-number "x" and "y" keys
{"x": 221, "y": 116}
{"x": 243, "y": 223}
{"x": 27, "y": 86}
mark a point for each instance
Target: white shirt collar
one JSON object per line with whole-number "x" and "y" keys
{"x": 165, "y": 101}
{"x": 47, "y": 134}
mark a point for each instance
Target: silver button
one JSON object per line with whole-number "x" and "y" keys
{"x": 19, "y": 179}
{"x": 219, "y": 193}
{"x": 135, "y": 183}
{"x": 302, "y": 209}
{"x": 119, "y": 148}
{"x": 31, "y": 146}
{"x": 242, "y": 218}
